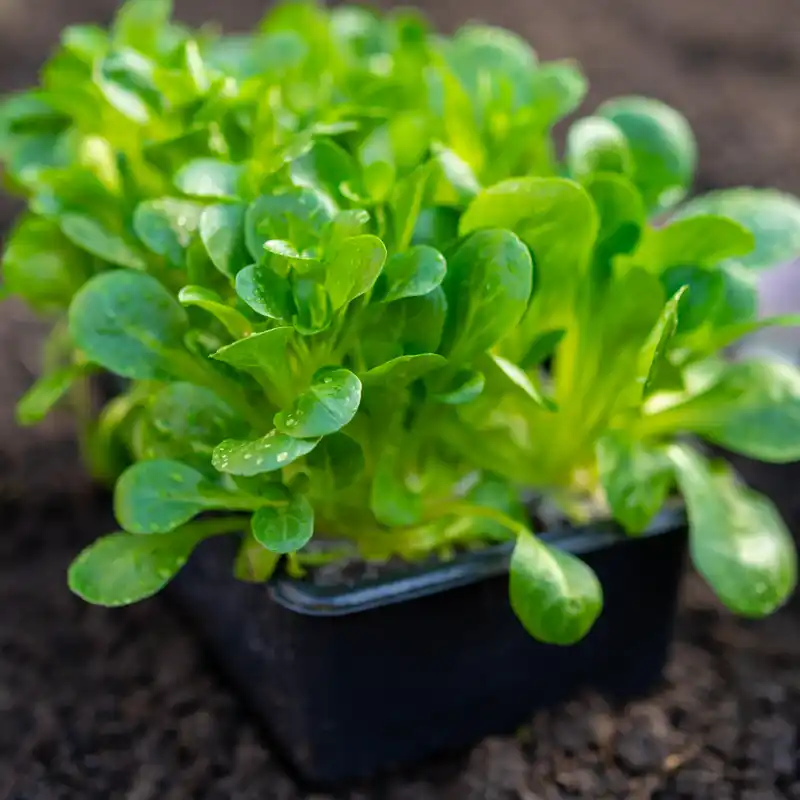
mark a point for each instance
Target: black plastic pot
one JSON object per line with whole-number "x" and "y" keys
{"x": 348, "y": 682}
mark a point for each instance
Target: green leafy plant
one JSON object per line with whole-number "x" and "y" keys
{"x": 358, "y": 303}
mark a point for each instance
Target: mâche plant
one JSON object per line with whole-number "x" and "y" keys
{"x": 359, "y": 304}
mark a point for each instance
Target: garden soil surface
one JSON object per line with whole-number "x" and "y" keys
{"x": 123, "y": 704}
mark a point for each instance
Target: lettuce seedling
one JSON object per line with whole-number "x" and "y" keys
{"x": 356, "y": 301}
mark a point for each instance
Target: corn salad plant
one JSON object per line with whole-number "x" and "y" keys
{"x": 357, "y": 302}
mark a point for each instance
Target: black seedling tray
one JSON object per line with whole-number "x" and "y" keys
{"x": 348, "y": 682}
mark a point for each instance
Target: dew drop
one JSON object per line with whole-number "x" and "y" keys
{"x": 281, "y": 457}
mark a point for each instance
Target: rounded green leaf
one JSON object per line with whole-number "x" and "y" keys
{"x": 326, "y": 407}
{"x": 284, "y": 528}
{"x": 737, "y": 539}
{"x": 267, "y": 454}
{"x": 159, "y": 495}
{"x": 353, "y": 268}
{"x": 122, "y": 568}
{"x": 596, "y": 145}
{"x": 266, "y": 292}
{"x": 488, "y": 286}
{"x": 555, "y": 595}
{"x": 91, "y": 236}
{"x": 621, "y": 214}
{"x": 167, "y": 226}
{"x": 42, "y": 266}
{"x": 412, "y": 273}
{"x": 235, "y": 322}
{"x": 128, "y": 323}
{"x": 772, "y": 217}
{"x": 312, "y": 302}
{"x": 222, "y": 233}
{"x": 209, "y": 178}
{"x": 193, "y": 415}
{"x": 662, "y": 147}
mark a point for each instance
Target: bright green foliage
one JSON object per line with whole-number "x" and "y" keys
{"x": 355, "y": 295}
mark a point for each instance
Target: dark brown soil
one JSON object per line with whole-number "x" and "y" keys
{"x": 122, "y": 704}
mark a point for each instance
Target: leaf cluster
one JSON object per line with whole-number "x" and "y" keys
{"x": 360, "y": 303}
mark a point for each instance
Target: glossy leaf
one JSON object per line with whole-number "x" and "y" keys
{"x": 286, "y": 526}
{"x": 128, "y": 323}
{"x": 636, "y": 479}
{"x": 464, "y": 387}
{"x": 555, "y": 595}
{"x": 209, "y": 178}
{"x": 753, "y": 408}
{"x": 166, "y": 226}
{"x": 324, "y": 408}
{"x": 266, "y": 292}
{"x": 737, "y": 539}
{"x": 154, "y": 497}
{"x": 255, "y": 457}
{"x": 236, "y": 324}
{"x": 412, "y": 273}
{"x": 91, "y": 236}
{"x": 662, "y": 147}
{"x": 596, "y": 145}
{"x": 772, "y": 217}
{"x": 353, "y": 269}
{"x": 222, "y": 232}
{"x": 488, "y": 285}
{"x": 123, "y": 568}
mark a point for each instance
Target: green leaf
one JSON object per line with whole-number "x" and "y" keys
{"x": 521, "y": 380}
{"x": 167, "y": 225}
{"x": 210, "y": 178}
{"x": 41, "y": 266}
{"x": 488, "y": 285}
{"x": 313, "y": 306}
{"x": 542, "y": 348}
{"x": 266, "y": 352}
{"x": 636, "y": 478}
{"x": 154, "y": 497}
{"x": 353, "y": 268}
{"x": 596, "y": 145}
{"x": 266, "y": 292}
{"x": 122, "y": 568}
{"x": 194, "y": 416}
{"x": 654, "y": 353}
{"x": 772, "y": 217}
{"x": 298, "y": 215}
{"x": 464, "y": 387}
{"x": 621, "y": 214}
{"x": 700, "y": 241}
{"x": 556, "y": 219}
{"x": 286, "y": 527}
{"x": 140, "y": 23}
{"x": 392, "y": 501}
{"x": 662, "y": 147}
{"x": 40, "y": 399}
{"x": 325, "y": 166}
{"x": 91, "y": 236}
{"x": 737, "y": 539}
{"x": 325, "y": 407}
{"x": 340, "y": 458}
{"x": 406, "y": 204}
{"x": 222, "y": 233}
{"x": 128, "y": 323}
{"x": 455, "y": 182}
{"x": 412, "y": 273}
{"x": 253, "y": 563}
{"x": 235, "y": 323}
{"x": 126, "y": 79}
{"x": 403, "y": 370}
{"x": 556, "y": 597}
{"x": 753, "y": 408}
{"x": 267, "y": 454}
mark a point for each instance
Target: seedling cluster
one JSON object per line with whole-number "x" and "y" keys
{"x": 361, "y": 307}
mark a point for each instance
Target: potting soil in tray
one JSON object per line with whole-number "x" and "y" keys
{"x": 120, "y": 703}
